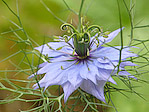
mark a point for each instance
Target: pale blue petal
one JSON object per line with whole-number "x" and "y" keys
{"x": 56, "y": 45}
{"x": 105, "y": 75}
{"x": 42, "y": 65}
{"x": 54, "y": 67}
{"x": 59, "y": 78}
{"x": 92, "y": 77}
{"x": 103, "y": 65}
{"x": 103, "y": 60}
{"x": 42, "y": 70}
{"x": 112, "y": 53}
{"x": 50, "y": 67}
{"x": 132, "y": 77}
{"x": 104, "y": 40}
{"x": 45, "y": 50}
{"x": 110, "y": 37}
{"x": 127, "y": 63}
{"x": 62, "y": 59}
{"x": 31, "y": 76}
{"x": 73, "y": 76}
{"x": 93, "y": 72}
{"x": 95, "y": 90}
{"x": 68, "y": 90}
{"x": 124, "y": 73}
{"x": 53, "y": 52}
{"x": 88, "y": 71}
{"x": 55, "y": 75}
{"x": 83, "y": 70}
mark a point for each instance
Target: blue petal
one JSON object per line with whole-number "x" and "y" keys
{"x": 62, "y": 59}
{"x": 112, "y": 53}
{"x": 42, "y": 65}
{"x": 93, "y": 72}
{"x": 110, "y": 37}
{"x": 54, "y": 74}
{"x": 53, "y": 52}
{"x": 95, "y": 90}
{"x": 127, "y": 63}
{"x": 68, "y": 90}
{"x": 104, "y": 65}
{"x": 132, "y": 77}
{"x": 104, "y": 40}
{"x": 103, "y": 60}
{"x": 45, "y": 69}
{"x": 58, "y": 78}
{"x": 74, "y": 76}
{"x": 125, "y": 73}
{"x": 88, "y": 71}
{"x": 83, "y": 70}
{"x": 105, "y": 75}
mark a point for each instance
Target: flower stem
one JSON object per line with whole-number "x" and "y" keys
{"x": 121, "y": 33}
{"x": 79, "y": 16}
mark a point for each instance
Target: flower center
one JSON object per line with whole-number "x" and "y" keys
{"x": 81, "y": 43}
{"x": 81, "y": 40}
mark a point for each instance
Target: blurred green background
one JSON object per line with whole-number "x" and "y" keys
{"x": 39, "y": 23}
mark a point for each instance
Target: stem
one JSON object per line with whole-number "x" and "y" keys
{"x": 49, "y": 10}
{"x": 131, "y": 20}
{"x": 69, "y": 8}
{"x": 121, "y": 34}
{"x": 79, "y": 16}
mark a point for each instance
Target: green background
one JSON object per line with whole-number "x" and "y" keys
{"x": 39, "y": 23}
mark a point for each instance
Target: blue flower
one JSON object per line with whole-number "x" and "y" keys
{"x": 81, "y": 61}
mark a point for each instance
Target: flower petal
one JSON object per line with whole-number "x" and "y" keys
{"x": 112, "y": 53}
{"x": 105, "y": 75}
{"x": 83, "y": 70}
{"x": 73, "y": 76}
{"x": 68, "y": 89}
{"x": 55, "y": 75}
{"x": 95, "y": 90}
{"x": 110, "y": 37}
{"x": 125, "y": 73}
{"x": 103, "y": 40}
{"x": 53, "y": 52}
{"x": 104, "y": 65}
{"x": 127, "y": 63}
{"x": 42, "y": 65}
{"x": 58, "y": 78}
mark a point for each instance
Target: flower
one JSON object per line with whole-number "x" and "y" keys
{"x": 81, "y": 61}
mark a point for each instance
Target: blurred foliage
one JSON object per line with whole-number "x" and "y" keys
{"x": 41, "y": 25}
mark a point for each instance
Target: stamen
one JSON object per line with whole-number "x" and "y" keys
{"x": 49, "y": 47}
{"x": 87, "y": 66}
{"x": 88, "y": 52}
{"x": 73, "y": 52}
{"x": 77, "y": 62}
{"x": 62, "y": 68}
{"x": 70, "y": 65}
{"x": 59, "y": 48}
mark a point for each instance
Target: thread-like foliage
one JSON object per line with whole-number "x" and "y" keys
{"x": 49, "y": 101}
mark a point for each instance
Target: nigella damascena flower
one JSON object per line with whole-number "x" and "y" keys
{"x": 80, "y": 60}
